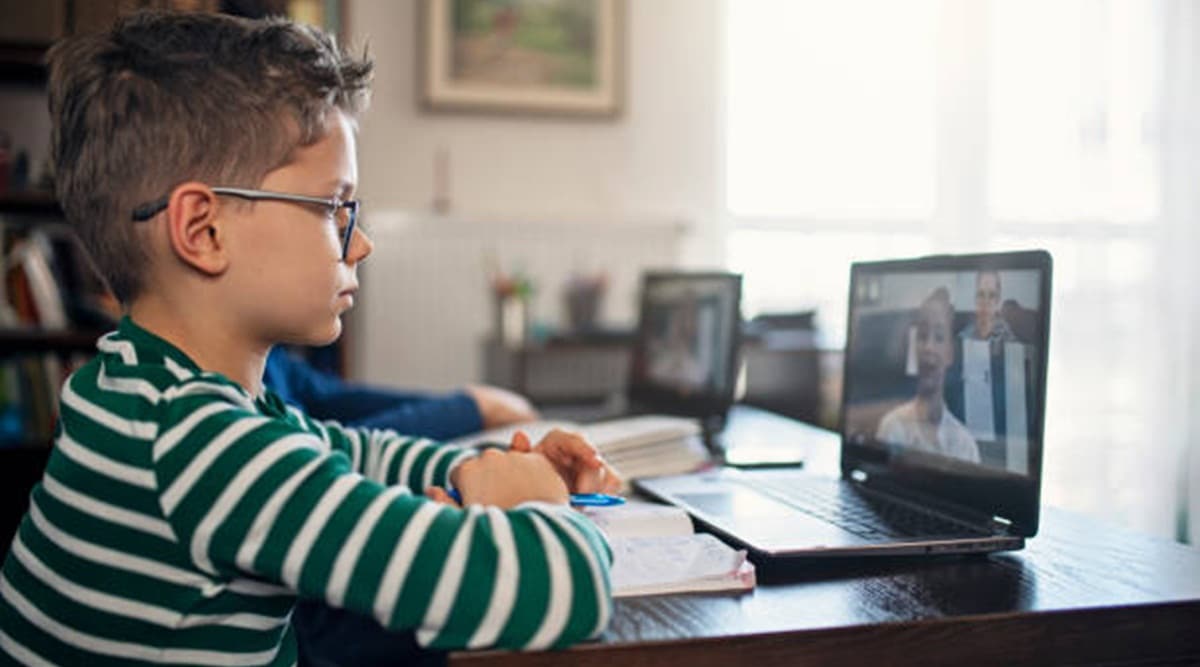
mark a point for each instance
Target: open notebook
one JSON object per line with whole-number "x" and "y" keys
{"x": 655, "y": 551}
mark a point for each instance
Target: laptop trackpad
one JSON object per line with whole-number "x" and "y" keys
{"x": 766, "y": 523}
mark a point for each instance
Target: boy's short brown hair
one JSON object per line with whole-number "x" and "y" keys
{"x": 163, "y": 98}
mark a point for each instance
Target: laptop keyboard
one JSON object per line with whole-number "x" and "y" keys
{"x": 870, "y": 517}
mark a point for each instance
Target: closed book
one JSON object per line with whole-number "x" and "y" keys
{"x": 639, "y": 446}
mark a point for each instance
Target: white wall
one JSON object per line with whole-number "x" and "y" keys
{"x": 656, "y": 164}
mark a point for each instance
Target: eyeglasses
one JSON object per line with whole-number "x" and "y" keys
{"x": 336, "y": 207}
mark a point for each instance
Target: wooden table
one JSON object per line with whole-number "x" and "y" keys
{"x": 1081, "y": 592}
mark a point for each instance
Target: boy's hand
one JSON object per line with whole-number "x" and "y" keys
{"x": 439, "y": 495}
{"x": 575, "y": 459}
{"x": 506, "y": 479}
{"x": 500, "y": 407}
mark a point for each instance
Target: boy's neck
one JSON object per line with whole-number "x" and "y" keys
{"x": 206, "y": 342}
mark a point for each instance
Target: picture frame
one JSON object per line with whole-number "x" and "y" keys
{"x": 552, "y": 57}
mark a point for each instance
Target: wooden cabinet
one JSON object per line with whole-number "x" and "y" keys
{"x": 561, "y": 370}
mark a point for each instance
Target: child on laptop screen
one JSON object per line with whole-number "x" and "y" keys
{"x": 208, "y": 163}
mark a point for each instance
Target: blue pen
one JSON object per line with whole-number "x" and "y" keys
{"x": 577, "y": 499}
{"x": 596, "y": 500}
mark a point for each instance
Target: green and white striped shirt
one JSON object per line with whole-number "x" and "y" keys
{"x": 180, "y": 518}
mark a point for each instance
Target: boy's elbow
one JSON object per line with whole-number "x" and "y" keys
{"x": 590, "y": 614}
{"x": 602, "y": 611}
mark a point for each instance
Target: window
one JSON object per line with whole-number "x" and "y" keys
{"x": 1071, "y": 118}
{"x": 871, "y": 128}
{"x": 828, "y": 103}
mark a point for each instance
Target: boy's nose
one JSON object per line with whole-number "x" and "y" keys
{"x": 361, "y": 245}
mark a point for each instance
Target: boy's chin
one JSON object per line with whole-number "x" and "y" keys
{"x": 318, "y": 336}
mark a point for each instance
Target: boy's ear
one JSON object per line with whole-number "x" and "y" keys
{"x": 194, "y": 228}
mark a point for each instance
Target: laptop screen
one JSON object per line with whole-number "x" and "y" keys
{"x": 684, "y": 357}
{"x": 945, "y": 376}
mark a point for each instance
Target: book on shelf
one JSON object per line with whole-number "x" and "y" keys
{"x": 33, "y": 258}
{"x": 656, "y": 551}
{"x": 45, "y": 284}
{"x": 49, "y": 283}
{"x": 640, "y": 446}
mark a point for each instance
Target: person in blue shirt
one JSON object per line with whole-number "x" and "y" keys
{"x": 439, "y": 416}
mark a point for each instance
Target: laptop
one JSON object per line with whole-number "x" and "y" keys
{"x": 942, "y": 419}
{"x": 684, "y": 356}
{"x": 685, "y": 351}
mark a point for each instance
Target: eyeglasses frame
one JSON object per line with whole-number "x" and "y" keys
{"x": 147, "y": 211}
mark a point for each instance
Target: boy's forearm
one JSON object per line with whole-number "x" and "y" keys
{"x": 392, "y": 459}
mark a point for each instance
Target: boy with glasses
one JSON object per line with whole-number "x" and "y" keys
{"x": 208, "y": 164}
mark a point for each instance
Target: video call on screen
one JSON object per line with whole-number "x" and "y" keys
{"x": 687, "y": 332}
{"x": 942, "y": 366}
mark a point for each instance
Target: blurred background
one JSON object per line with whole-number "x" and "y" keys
{"x": 545, "y": 143}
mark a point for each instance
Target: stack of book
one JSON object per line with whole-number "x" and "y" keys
{"x": 641, "y": 446}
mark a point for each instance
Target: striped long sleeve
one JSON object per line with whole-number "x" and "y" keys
{"x": 179, "y": 519}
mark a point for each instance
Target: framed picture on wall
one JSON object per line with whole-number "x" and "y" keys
{"x": 522, "y": 56}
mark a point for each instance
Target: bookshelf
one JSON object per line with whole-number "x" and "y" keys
{"x": 30, "y": 203}
{"x": 34, "y": 357}
{"x": 49, "y": 317}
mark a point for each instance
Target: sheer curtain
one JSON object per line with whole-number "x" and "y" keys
{"x": 1181, "y": 244}
{"x": 868, "y": 128}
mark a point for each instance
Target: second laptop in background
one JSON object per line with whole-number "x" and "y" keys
{"x": 682, "y": 378}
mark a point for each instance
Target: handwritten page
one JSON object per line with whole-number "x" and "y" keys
{"x": 677, "y": 563}
{"x": 655, "y": 551}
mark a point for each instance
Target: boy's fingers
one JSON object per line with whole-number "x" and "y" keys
{"x": 438, "y": 495}
{"x": 565, "y": 447}
{"x": 612, "y": 481}
{"x": 521, "y": 442}
{"x": 585, "y": 454}
{"x": 585, "y": 482}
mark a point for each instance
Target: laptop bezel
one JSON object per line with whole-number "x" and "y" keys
{"x": 1013, "y": 498}
{"x": 643, "y": 392}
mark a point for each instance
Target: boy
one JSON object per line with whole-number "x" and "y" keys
{"x": 209, "y": 163}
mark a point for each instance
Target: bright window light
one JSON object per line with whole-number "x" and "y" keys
{"x": 831, "y": 108}
{"x": 1071, "y": 131}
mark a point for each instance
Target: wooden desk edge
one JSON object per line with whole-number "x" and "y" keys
{"x": 1136, "y": 634}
